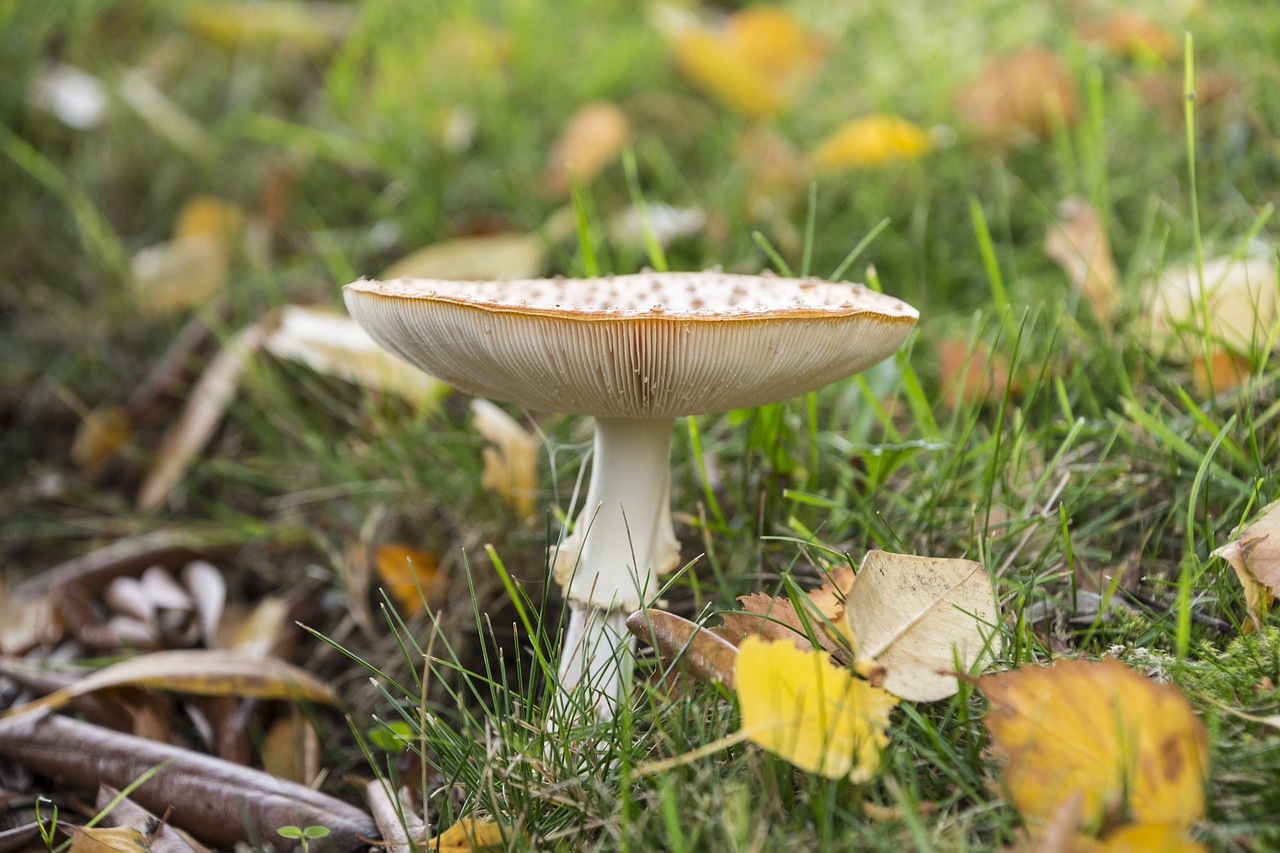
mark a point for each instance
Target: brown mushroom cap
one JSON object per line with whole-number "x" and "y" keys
{"x": 637, "y": 346}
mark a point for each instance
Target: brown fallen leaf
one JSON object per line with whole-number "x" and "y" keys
{"x": 291, "y": 748}
{"x": 698, "y": 651}
{"x": 206, "y": 406}
{"x": 1129, "y": 34}
{"x": 1024, "y": 95}
{"x": 592, "y": 139}
{"x": 220, "y": 803}
{"x": 259, "y": 631}
{"x": 775, "y": 619}
{"x": 160, "y": 836}
{"x": 973, "y": 375}
{"x": 915, "y": 621}
{"x": 1080, "y": 246}
{"x": 1132, "y": 751}
{"x": 28, "y": 621}
{"x": 1254, "y": 554}
{"x": 829, "y": 598}
{"x": 200, "y": 672}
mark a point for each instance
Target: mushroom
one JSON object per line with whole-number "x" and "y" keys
{"x": 635, "y": 352}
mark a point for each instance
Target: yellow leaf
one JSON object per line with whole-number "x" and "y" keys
{"x": 818, "y": 716}
{"x": 754, "y": 63}
{"x": 511, "y": 462}
{"x": 772, "y": 41}
{"x": 206, "y": 214}
{"x": 101, "y": 434}
{"x": 1148, "y": 838}
{"x": 179, "y": 274}
{"x": 913, "y": 619}
{"x": 469, "y": 835}
{"x": 591, "y": 140}
{"x": 1130, "y": 748}
{"x": 410, "y": 575}
{"x": 871, "y": 142}
{"x": 713, "y": 65}
{"x": 108, "y": 839}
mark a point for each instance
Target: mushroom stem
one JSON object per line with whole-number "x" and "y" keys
{"x": 625, "y": 534}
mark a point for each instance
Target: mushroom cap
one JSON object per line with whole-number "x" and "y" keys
{"x": 650, "y": 345}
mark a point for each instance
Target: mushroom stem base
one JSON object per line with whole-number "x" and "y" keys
{"x": 597, "y": 659}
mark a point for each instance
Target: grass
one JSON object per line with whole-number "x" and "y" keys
{"x": 1105, "y": 463}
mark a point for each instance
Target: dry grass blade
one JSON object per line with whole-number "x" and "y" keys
{"x": 220, "y": 803}
{"x": 402, "y": 830}
{"x": 204, "y": 411}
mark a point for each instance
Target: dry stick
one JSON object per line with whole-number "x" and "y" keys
{"x": 220, "y": 803}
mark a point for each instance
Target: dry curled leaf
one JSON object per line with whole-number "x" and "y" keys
{"x": 816, "y": 715}
{"x": 829, "y": 598}
{"x": 914, "y": 620}
{"x": 592, "y": 139}
{"x": 776, "y": 619}
{"x": 199, "y": 672}
{"x": 702, "y": 653}
{"x": 1079, "y": 244}
{"x": 1133, "y": 751}
{"x": 871, "y": 142}
{"x": 510, "y": 460}
{"x": 1255, "y": 556}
